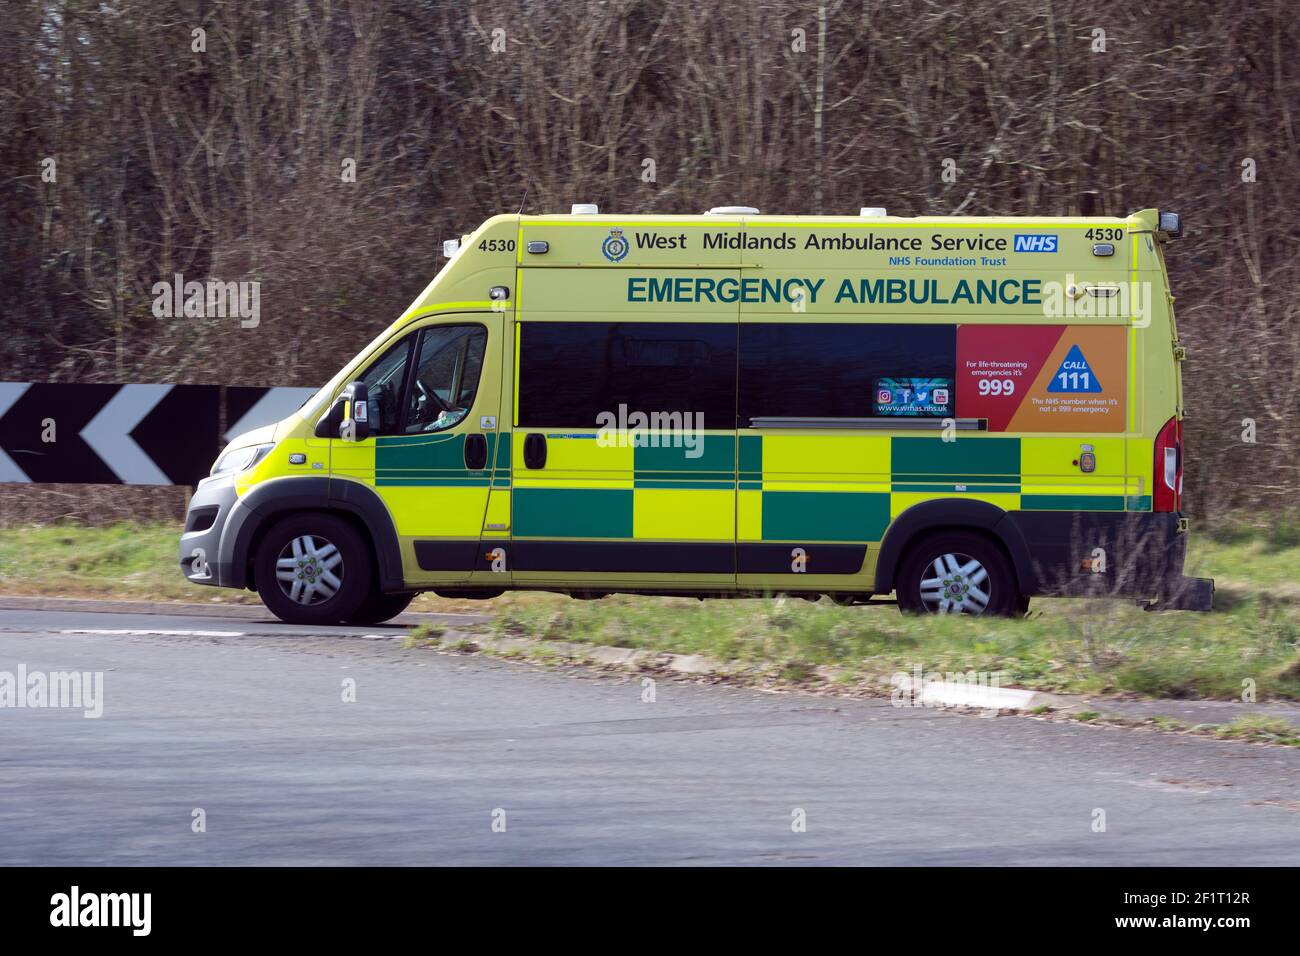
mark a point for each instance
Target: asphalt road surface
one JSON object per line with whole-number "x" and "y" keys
{"x": 246, "y": 721}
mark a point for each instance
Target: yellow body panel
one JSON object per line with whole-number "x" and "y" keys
{"x": 826, "y": 455}
{"x": 694, "y": 515}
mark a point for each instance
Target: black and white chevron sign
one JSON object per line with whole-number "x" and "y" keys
{"x": 127, "y": 434}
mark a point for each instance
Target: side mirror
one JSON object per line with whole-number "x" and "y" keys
{"x": 356, "y": 413}
{"x": 349, "y": 417}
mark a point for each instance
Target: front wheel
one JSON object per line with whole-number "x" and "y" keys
{"x": 958, "y": 572}
{"x": 312, "y": 569}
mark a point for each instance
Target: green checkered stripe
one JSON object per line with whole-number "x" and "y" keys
{"x": 608, "y": 512}
{"x": 918, "y": 465}
{"x": 436, "y": 461}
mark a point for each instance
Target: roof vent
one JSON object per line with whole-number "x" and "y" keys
{"x": 872, "y": 211}
{"x": 732, "y": 211}
{"x": 584, "y": 209}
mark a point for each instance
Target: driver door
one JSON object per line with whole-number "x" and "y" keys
{"x": 434, "y": 397}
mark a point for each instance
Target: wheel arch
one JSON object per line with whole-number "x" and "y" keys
{"x": 264, "y": 504}
{"x": 952, "y": 514}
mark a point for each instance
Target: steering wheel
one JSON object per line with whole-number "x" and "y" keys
{"x": 431, "y": 396}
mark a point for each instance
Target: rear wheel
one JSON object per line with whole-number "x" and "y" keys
{"x": 958, "y": 572}
{"x": 312, "y": 568}
{"x": 379, "y": 608}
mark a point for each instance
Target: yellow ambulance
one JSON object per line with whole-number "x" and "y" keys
{"x": 962, "y": 412}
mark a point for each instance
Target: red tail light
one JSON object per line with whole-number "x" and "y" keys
{"x": 1168, "y": 492}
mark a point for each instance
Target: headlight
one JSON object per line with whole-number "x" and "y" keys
{"x": 241, "y": 459}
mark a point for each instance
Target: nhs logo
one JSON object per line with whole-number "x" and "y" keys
{"x": 1035, "y": 242}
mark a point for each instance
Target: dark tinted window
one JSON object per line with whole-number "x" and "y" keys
{"x": 570, "y": 372}
{"x": 832, "y": 371}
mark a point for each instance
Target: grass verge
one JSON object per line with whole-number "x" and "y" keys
{"x": 1066, "y": 647}
{"x": 1078, "y": 646}
{"x": 125, "y": 561}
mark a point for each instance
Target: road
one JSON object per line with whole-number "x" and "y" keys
{"x": 246, "y": 721}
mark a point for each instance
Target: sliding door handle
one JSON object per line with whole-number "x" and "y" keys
{"x": 535, "y": 450}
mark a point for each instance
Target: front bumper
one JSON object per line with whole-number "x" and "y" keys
{"x": 1108, "y": 554}
{"x": 205, "y": 521}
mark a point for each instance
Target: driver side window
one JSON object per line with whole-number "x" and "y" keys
{"x": 385, "y": 381}
{"x": 445, "y": 379}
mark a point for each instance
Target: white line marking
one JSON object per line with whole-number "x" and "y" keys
{"x": 974, "y": 695}
{"x": 149, "y": 633}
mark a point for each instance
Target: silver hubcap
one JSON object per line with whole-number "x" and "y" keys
{"x": 309, "y": 569}
{"x": 958, "y": 585}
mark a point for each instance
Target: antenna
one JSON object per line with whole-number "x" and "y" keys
{"x": 522, "y": 202}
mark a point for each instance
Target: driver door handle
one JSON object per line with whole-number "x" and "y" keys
{"x": 476, "y": 452}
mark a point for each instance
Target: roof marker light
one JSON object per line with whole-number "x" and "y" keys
{"x": 732, "y": 211}
{"x": 584, "y": 209}
{"x": 872, "y": 211}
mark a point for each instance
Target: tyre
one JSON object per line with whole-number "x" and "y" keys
{"x": 958, "y": 572}
{"x": 378, "y": 608}
{"x": 312, "y": 568}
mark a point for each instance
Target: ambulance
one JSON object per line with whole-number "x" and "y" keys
{"x": 963, "y": 413}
